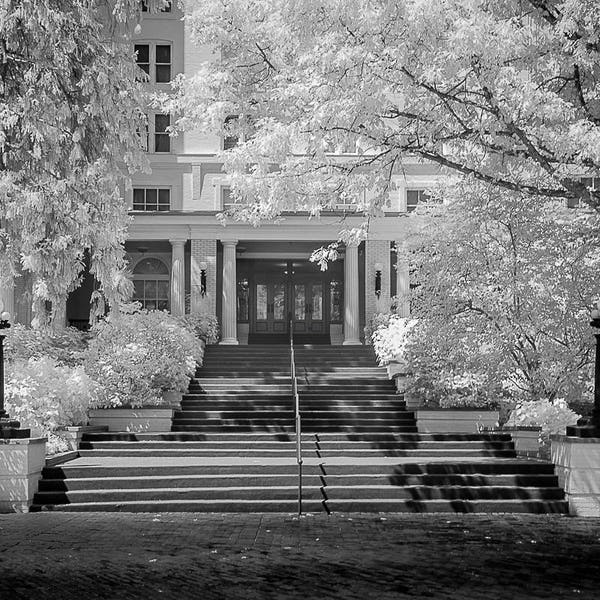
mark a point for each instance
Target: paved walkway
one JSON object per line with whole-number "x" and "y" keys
{"x": 120, "y": 555}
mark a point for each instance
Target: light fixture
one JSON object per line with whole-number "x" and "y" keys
{"x": 203, "y": 267}
{"x": 378, "y": 269}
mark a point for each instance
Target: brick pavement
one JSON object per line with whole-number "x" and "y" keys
{"x": 186, "y": 555}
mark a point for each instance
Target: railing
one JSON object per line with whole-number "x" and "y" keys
{"x": 297, "y": 417}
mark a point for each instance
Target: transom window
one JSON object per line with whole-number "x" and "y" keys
{"x": 155, "y": 60}
{"x": 151, "y": 199}
{"x": 151, "y": 284}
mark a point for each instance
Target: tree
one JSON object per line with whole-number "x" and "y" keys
{"x": 502, "y": 289}
{"x": 505, "y": 92}
{"x": 70, "y": 110}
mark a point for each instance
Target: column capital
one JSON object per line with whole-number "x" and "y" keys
{"x": 229, "y": 242}
{"x": 352, "y": 244}
{"x": 178, "y": 241}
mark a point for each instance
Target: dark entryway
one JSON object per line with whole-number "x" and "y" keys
{"x": 273, "y": 292}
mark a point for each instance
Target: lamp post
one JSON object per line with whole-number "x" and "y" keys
{"x": 592, "y": 428}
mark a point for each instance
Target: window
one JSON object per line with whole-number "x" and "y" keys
{"x": 155, "y": 61}
{"x": 162, "y": 140}
{"x": 591, "y": 183}
{"x": 227, "y": 199}
{"x": 151, "y": 199}
{"x": 415, "y": 197}
{"x": 151, "y": 284}
{"x": 230, "y": 140}
{"x": 152, "y": 5}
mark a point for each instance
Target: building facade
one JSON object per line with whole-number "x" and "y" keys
{"x": 257, "y": 280}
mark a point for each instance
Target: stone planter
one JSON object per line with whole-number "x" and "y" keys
{"x": 21, "y": 463}
{"x": 577, "y": 466}
{"x": 73, "y": 435}
{"x": 525, "y": 439}
{"x": 455, "y": 420}
{"x": 158, "y": 419}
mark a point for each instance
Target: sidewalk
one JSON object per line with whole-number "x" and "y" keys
{"x": 178, "y": 555}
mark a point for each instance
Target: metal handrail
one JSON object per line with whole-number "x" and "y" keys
{"x": 297, "y": 416}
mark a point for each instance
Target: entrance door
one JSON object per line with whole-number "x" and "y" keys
{"x": 271, "y": 306}
{"x": 308, "y": 306}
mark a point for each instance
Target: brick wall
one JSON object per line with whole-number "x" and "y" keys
{"x": 203, "y": 251}
{"x": 377, "y": 251}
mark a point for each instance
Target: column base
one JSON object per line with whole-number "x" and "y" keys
{"x": 229, "y": 342}
{"x": 352, "y": 343}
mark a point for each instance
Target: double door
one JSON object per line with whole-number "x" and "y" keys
{"x": 300, "y": 299}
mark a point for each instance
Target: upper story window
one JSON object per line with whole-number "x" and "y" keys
{"x": 155, "y": 60}
{"x": 151, "y": 199}
{"x": 415, "y": 197}
{"x": 162, "y": 140}
{"x": 592, "y": 183}
{"x": 230, "y": 139}
{"x": 154, "y": 6}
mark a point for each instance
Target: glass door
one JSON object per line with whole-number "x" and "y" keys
{"x": 270, "y": 308}
{"x": 308, "y": 306}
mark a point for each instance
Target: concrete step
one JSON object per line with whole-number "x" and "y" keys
{"x": 289, "y": 428}
{"x": 289, "y": 479}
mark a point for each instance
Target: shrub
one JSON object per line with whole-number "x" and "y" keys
{"x": 204, "y": 326}
{"x": 65, "y": 345}
{"x": 137, "y": 356}
{"x": 552, "y": 417}
{"x": 45, "y": 395}
{"x": 390, "y": 335}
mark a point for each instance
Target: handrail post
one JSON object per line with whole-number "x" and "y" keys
{"x": 298, "y": 418}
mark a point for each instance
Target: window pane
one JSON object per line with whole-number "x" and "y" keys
{"x": 335, "y": 291}
{"x": 138, "y": 290}
{"x": 163, "y": 73}
{"x": 162, "y": 143}
{"x": 299, "y": 302}
{"x": 261, "y": 302}
{"x": 161, "y": 122}
{"x": 164, "y": 197}
{"x": 151, "y": 196}
{"x": 162, "y": 305}
{"x": 163, "y": 54}
{"x": 279, "y": 302}
{"x": 149, "y": 289}
{"x": 142, "y": 54}
{"x": 317, "y": 302}
{"x": 162, "y": 291}
{"x": 242, "y": 299}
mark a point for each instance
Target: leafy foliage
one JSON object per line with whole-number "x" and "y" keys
{"x": 502, "y": 292}
{"x": 505, "y": 92}
{"x": 45, "y": 395}
{"x": 70, "y": 109}
{"x": 137, "y": 356}
{"x": 203, "y": 325}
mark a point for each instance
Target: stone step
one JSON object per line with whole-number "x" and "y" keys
{"x": 289, "y": 428}
{"x": 318, "y": 493}
{"x": 305, "y": 407}
{"x": 334, "y": 506}
{"x": 310, "y": 415}
{"x": 175, "y": 480}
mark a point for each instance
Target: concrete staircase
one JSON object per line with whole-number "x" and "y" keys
{"x": 232, "y": 448}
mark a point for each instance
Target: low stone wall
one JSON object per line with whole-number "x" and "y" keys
{"x": 525, "y": 439}
{"x": 133, "y": 419}
{"x": 577, "y": 466}
{"x": 74, "y": 434}
{"x": 454, "y": 420}
{"x": 21, "y": 464}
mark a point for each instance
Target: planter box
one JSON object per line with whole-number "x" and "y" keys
{"x": 21, "y": 463}
{"x": 525, "y": 439}
{"x": 577, "y": 466}
{"x": 73, "y": 435}
{"x": 453, "y": 420}
{"x": 157, "y": 419}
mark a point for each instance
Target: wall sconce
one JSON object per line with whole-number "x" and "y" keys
{"x": 378, "y": 270}
{"x": 203, "y": 267}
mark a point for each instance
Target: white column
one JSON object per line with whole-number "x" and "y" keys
{"x": 177, "y": 277}
{"x": 351, "y": 306}
{"x": 229, "y": 324}
{"x": 7, "y": 297}
{"x": 402, "y": 281}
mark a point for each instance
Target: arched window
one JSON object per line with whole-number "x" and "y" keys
{"x": 151, "y": 284}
